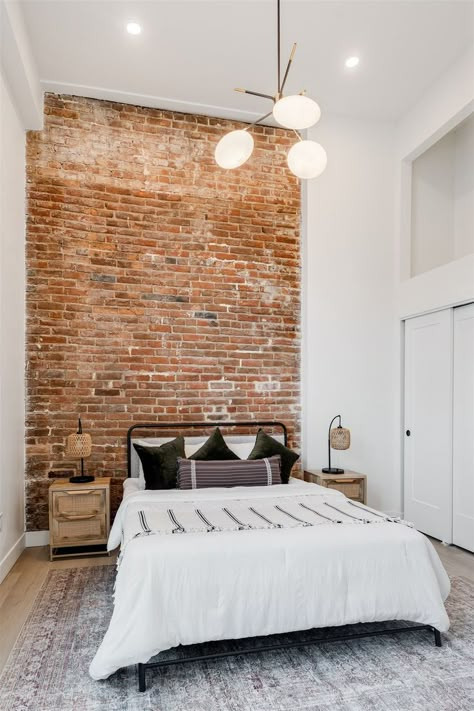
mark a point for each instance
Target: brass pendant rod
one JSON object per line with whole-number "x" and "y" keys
{"x": 288, "y": 67}
{"x": 262, "y": 118}
{"x": 278, "y": 47}
{"x": 280, "y": 84}
{"x": 255, "y": 93}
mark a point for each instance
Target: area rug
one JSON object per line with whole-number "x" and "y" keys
{"x": 47, "y": 669}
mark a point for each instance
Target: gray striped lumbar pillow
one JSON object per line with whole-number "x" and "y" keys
{"x": 195, "y": 474}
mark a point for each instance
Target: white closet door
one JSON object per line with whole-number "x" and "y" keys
{"x": 428, "y": 423}
{"x": 463, "y": 428}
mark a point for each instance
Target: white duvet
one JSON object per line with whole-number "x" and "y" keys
{"x": 197, "y": 587}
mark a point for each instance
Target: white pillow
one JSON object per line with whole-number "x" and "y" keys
{"x": 192, "y": 447}
{"x": 243, "y": 449}
{"x": 153, "y": 441}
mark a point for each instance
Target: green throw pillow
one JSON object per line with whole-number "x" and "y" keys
{"x": 266, "y": 446}
{"x": 160, "y": 464}
{"x": 214, "y": 449}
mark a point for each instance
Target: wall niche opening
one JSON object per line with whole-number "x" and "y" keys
{"x": 442, "y": 201}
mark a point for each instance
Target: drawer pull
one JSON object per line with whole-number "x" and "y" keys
{"x": 78, "y": 517}
{"x": 81, "y": 492}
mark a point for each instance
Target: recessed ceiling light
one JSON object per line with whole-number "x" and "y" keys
{"x": 133, "y": 28}
{"x": 352, "y": 62}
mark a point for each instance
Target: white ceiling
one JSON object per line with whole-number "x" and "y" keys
{"x": 191, "y": 54}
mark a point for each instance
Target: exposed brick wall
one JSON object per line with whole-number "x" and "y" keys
{"x": 160, "y": 287}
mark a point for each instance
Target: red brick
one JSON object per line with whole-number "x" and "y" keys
{"x": 123, "y": 259}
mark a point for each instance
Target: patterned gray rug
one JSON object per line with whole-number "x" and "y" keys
{"x": 47, "y": 669}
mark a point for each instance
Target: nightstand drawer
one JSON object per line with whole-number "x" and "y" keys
{"x": 79, "y": 517}
{"x": 352, "y": 489}
{"x": 72, "y": 504}
{"x": 82, "y": 529}
{"x": 351, "y": 484}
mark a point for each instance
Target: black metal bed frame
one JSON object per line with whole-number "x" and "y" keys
{"x": 281, "y": 645}
{"x": 201, "y": 425}
{"x": 142, "y": 667}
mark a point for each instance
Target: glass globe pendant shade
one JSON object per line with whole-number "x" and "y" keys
{"x": 307, "y": 159}
{"x": 296, "y": 112}
{"x": 234, "y": 149}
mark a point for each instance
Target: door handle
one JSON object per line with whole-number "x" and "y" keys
{"x": 408, "y": 433}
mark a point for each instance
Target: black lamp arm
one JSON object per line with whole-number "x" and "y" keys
{"x": 329, "y": 440}
{"x": 330, "y": 425}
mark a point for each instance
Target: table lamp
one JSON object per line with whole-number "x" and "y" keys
{"x": 338, "y": 438}
{"x": 79, "y": 445}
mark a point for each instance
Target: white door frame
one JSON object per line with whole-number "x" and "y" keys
{"x": 463, "y": 429}
{"x": 429, "y": 502}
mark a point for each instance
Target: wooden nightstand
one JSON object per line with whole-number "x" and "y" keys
{"x": 79, "y": 518}
{"x": 352, "y": 484}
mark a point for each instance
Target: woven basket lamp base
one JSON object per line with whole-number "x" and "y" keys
{"x": 81, "y": 479}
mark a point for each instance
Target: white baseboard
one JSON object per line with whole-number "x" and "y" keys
{"x": 36, "y": 538}
{"x": 9, "y": 560}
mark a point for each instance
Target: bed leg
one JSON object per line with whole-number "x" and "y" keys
{"x": 141, "y": 678}
{"x": 437, "y": 637}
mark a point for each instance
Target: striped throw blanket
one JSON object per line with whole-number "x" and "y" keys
{"x": 246, "y": 515}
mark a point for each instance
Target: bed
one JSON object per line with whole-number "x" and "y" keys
{"x": 331, "y": 563}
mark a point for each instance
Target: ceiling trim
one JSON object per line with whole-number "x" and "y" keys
{"x": 154, "y": 102}
{"x": 18, "y": 66}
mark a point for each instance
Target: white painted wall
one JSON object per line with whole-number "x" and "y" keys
{"x": 21, "y": 108}
{"x": 449, "y": 102}
{"x": 442, "y": 201}
{"x": 18, "y": 65}
{"x": 442, "y": 107}
{"x": 350, "y": 332}
{"x": 356, "y": 285}
{"x": 12, "y": 329}
{"x": 446, "y": 105}
{"x": 464, "y": 189}
{"x": 432, "y": 207}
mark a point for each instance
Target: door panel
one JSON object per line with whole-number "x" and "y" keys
{"x": 463, "y": 428}
{"x": 428, "y": 417}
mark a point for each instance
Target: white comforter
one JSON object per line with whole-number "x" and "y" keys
{"x": 198, "y": 587}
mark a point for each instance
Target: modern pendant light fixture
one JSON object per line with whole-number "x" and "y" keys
{"x": 306, "y": 159}
{"x": 234, "y": 149}
{"x": 297, "y": 112}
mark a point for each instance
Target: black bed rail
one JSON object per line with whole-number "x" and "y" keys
{"x": 282, "y": 645}
{"x": 201, "y": 425}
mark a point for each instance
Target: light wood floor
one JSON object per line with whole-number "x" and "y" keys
{"x": 19, "y": 589}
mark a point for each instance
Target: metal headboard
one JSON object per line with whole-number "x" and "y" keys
{"x": 202, "y": 425}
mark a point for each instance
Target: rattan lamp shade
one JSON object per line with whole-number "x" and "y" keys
{"x": 78, "y": 446}
{"x": 340, "y": 438}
